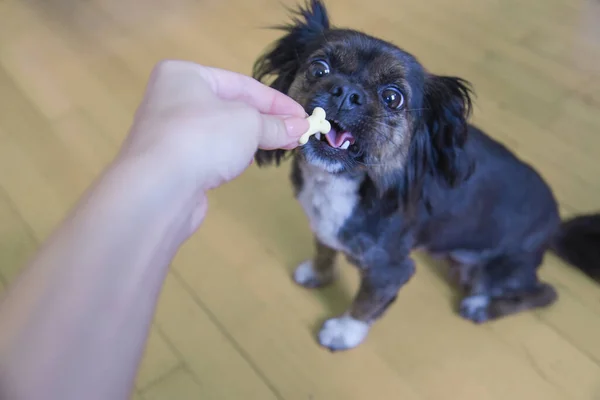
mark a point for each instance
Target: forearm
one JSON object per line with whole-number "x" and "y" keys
{"x": 74, "y": 325}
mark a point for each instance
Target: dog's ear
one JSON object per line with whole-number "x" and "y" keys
{"x": 285, "y": 56}
{"x": 283, "y": 59}
{"x": 437, "y": 148}
{"x": 447, "y": 108}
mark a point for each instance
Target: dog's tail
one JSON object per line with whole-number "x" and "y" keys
{"x": 578, "y": 243}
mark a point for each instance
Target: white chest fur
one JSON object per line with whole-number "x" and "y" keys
{"x": 328, "y": 201}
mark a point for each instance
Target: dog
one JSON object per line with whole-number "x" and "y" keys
{"x": 403, "y": 169}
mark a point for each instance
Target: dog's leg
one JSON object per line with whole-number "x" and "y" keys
{"x": 378, "y": 289}
{"x": 506, "y": 285}
{"x": 461, "y": 274}
{"x": 318, "y": 272}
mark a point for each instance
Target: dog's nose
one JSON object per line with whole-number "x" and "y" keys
{"x": 347, "y": 97}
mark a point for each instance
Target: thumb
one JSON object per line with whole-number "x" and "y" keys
{"x": 279, "y": 131}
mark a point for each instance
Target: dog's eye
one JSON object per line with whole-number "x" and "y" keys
{"x": 318, "y": 69}
{"x": 392, "y": 98}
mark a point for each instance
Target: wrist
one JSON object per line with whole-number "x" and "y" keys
{"x": 155, "y": 199}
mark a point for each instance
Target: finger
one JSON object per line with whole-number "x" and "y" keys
{"x": 180, "y": 77}
{"x": 175, "y": 83}
{"x": 230, "y": 85}
{"x": 280, "y": 132}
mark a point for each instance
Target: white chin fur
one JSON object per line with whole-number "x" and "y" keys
{"x": 328, "y": 166}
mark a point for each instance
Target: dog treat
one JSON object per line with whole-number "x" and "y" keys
{"x": 318, "y": 123}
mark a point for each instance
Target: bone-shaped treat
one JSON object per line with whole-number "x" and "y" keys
{"x": 318, "y": 123}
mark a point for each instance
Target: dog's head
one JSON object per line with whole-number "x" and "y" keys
{"x": 389, "y": 116}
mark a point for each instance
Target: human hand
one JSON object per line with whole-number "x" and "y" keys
{"x": 207, "y": 123}
{"x": 201, "y": 126}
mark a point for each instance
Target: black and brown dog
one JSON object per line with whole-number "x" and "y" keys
{"x": 403, "y": 169}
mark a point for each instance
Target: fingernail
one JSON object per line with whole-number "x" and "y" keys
{"x": 295, "y": 126}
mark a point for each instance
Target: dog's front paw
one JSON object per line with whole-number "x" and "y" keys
{"x": 306, "y": 275}
{"x": 475, "y": 308}
{"x": 343, "y": 333}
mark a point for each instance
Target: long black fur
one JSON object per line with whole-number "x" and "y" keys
{"x": 437, "y": 148}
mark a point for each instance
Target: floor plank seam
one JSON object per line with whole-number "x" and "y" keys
{"x": 179, "y": 367}
{"x": 229, "y": 337}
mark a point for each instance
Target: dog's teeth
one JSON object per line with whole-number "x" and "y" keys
{"x": 318, "y": 135}
{"x": 345, "y": 145}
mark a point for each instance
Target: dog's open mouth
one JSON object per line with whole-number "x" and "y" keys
{"x": 337, "y": 137}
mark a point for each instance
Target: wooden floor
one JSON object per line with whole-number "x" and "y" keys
{"x": 231, "y": 324}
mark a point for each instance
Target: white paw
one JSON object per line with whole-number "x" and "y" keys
{"x": 475, "y": 308}
{"x": 306, "y": 276}
{"x": 343, "y": 333}
{"x": 304, "y": 273}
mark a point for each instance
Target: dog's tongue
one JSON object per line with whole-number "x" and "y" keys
{"x": 336, "y": 139}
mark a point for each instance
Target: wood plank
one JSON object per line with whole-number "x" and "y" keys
{"x": 17, "y": 243}
{"x": 205, "y": 349}
{"x": 179, "y": 384}
{"x": 160, "y": 359}
{"x": 231, "y": 324}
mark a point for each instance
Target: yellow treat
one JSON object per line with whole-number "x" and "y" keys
{"x": 318, "y": 123}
